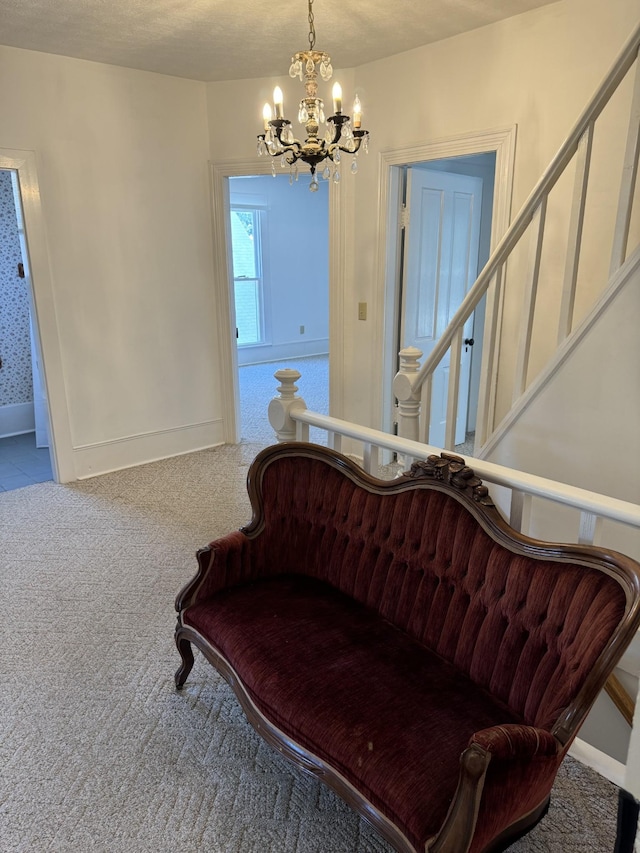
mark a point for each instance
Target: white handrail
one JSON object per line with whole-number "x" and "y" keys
{"x": 584, "y": 500}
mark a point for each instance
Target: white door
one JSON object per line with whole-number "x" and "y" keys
{"x": 440, "y": 265}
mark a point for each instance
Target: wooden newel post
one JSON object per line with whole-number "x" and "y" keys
{"x": 407, "y": 394}
{"x": 280, "y": 408}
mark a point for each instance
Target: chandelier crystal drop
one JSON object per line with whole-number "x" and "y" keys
{"x": 343, "y": 133}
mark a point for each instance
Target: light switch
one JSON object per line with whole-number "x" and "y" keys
{"x": 362, "y": 310}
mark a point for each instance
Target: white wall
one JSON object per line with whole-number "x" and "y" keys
{"x": 122, "y": 169}
{"x": 296, "y": 265}
{"x": 595, "y": 393}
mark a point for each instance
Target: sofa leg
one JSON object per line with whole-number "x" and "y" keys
{"x": 184, "y": 647}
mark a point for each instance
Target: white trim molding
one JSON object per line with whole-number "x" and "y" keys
{"x": 126, "y": 452}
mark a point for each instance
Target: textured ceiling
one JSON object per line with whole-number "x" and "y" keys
{"x": 233, "y": 39}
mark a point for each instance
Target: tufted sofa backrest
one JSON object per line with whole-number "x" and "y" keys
{"x": 525, "y": 628}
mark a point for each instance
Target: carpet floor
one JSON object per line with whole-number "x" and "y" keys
{"x": 98, "y": 751}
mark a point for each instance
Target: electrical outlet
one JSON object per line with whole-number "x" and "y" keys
{"x": 362, "y": 310}
{"x": 302, "y": 330}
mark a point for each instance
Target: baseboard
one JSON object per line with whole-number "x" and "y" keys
{"x": 281, "y": 352}
{"x": 599, "y": 761}
{"x": 92, "y": 460}
{"x": 16, "y": 419}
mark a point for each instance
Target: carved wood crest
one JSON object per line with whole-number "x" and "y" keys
{"x": 452, "y": 470}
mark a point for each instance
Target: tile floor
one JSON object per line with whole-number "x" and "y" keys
{"x": 22, "y": 463}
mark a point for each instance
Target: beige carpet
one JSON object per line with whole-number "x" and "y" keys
{"x": 98, "y": 751}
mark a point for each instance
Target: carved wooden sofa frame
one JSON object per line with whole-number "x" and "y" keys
{"x": 403, "y": 643}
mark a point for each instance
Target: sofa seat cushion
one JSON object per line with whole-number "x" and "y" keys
{"x": 386, "y": 712}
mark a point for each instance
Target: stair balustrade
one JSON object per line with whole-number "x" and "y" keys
{"x": 291, "y": 420}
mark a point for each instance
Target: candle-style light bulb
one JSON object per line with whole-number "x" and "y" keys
{"x": 337, "y": 98}
{"x": 357, "y": 113}
{"x": 277, "y": 101}
{"x": 266, "y": 115}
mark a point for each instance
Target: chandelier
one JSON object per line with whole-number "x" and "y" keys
{"x": 343, "y": 134}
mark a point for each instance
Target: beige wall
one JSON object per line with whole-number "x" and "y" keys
{"x": 122, "y": 169}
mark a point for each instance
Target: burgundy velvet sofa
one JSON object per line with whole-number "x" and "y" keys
{"x": 403, "y": 643}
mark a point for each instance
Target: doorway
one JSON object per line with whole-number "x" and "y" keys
{"x": 499, "y": 144}
{"x": 24, "y": 421}
{"x": 279, "y": 283}
{"x": 220, "y": 173}
{"x": 444, "y": 243}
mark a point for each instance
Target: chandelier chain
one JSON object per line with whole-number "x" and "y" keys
{"x": 312, "y": 29}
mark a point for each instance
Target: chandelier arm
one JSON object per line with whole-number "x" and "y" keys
{"x": 294, "y": 146}
{"x": 290, "y": 156}
{"x": 358, "y": 136}
{"x": 337, "y": 121}
{"x": 294, "y": 149}
{"x": 337, "y": 133}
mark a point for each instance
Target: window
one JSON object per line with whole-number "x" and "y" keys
{"x": 247, "y": 275}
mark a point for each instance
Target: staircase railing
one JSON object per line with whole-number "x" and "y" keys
{"x": 413, "y": 383}
{"x": 291, "y": 420}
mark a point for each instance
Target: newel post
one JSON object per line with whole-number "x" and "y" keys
{"x": 280, "y": 408}
{"x": 407, "y": 394}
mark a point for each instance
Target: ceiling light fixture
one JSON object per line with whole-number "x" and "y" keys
{"x": 343, "y": 133}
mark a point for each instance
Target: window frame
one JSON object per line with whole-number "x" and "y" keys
{"x": 259, "y": 216}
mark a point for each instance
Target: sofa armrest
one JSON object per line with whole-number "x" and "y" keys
{"x": 516, "y": 743}
{"x": 497, "y": 772}
{"x": 225, "y": 562}
{"x": 523, "y": 764}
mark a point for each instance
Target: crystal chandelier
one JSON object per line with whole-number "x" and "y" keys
{"x": 343, "y": 134}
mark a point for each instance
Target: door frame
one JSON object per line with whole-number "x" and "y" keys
{"x": 227, "y": 354}
{"x": 502, "y": 141}
{"x": 61, "y": 449}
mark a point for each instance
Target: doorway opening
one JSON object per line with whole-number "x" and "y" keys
{"x": 279, "y": 282}
{"x": 496, "y": 148}
{"x": 25, "y": 456}
{"x": 445, "y": 240}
